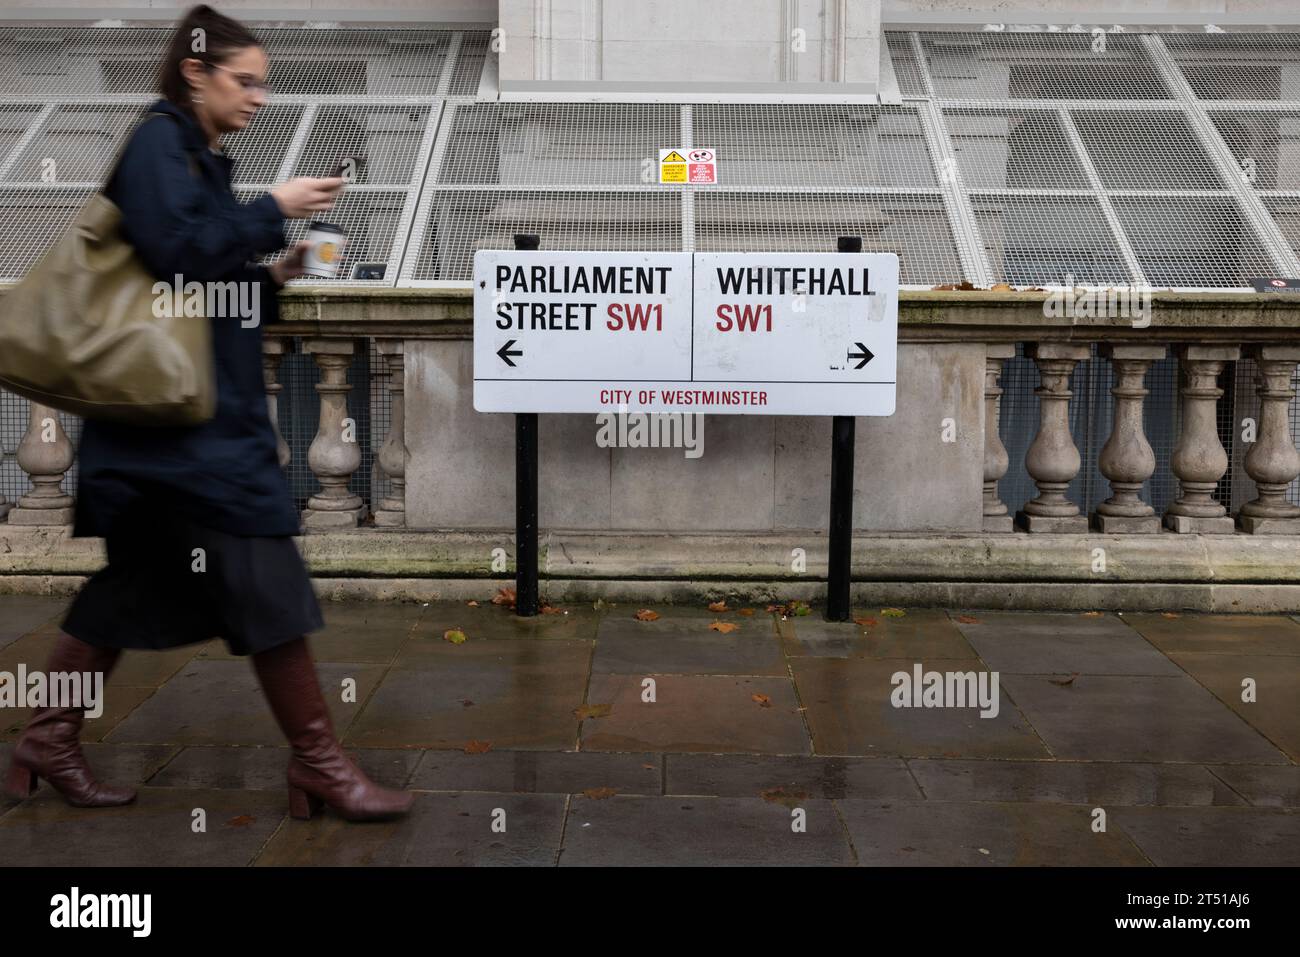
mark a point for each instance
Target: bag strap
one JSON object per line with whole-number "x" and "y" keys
{"x": 117, "y": 159}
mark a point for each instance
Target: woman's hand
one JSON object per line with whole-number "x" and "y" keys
{"x": 291, "y": 266}
{"x": 299, "y": 198}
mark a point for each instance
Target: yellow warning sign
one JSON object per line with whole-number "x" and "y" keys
{"x": 672, "y": 167}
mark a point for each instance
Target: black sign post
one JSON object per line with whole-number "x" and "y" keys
{"x": 840, "y": 533}
{"x": 526, "y": 494}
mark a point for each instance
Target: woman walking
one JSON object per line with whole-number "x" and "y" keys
{"x": 198, "y": 520}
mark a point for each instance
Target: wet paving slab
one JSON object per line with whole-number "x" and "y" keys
{"x": 850, "y": 712}
{"x": 936, "y": 833}
{"x": 1125, "y": 718}
{"x": 441, "y": 830}
{"x": 613, "y": 740}
{"x": 158, "y": 829}
{"x": 727, "y": 831}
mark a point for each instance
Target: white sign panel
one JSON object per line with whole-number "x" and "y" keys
{"x": 733, "y": 333}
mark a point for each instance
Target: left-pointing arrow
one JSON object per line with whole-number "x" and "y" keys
{"x": 505, "y": 352}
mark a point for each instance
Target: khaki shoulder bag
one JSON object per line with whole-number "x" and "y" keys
{"x": 82, "y": 332}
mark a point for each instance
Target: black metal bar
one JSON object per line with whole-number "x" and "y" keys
{"x": 840, "y": 532}
{"x": 526, "y": 495}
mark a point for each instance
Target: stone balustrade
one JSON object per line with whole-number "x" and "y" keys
{"x": 1205, "y": 332}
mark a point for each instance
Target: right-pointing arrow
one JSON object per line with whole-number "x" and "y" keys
{"x": 866, "y": 355}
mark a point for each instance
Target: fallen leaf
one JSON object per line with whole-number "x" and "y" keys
{"x": 1000, "y": 287}
{"x": 866, "y": 622}
{"x": 1063, "y": 682}
{"x": 650, "y": 767}
{"x": 455, "y": 636}
{"x": 770, "y": 609}
{"x": 478, "y": 747}
{"x": 763, "y": 700}
{"x": 592, "y": 711}
{"x": 1092, "y": 614}
{"x": 968, "y": 619}
{"x": 726, "y": 627}
{"x": 746, "y": 612}
{"x": 599, "y": 794}
{"x": 242, "y": 821}
{"x": 552, "y": 610}
{"x": 1170, "y": 614}
{"x": 504, "y": 596}
{"x": 893, "y": 612}
{"x": 718, "y": 605}
{"x": 779, "y": 795}
{"x": 472, "y": 603}
{"x": 645, "y": 614}
{"x": 799, "y": 608}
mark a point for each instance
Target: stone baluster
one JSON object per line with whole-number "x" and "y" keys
{"x": 1272, "y": 460}
{"x": 1199, "y": 459}
{"x": 335, "y": 453}
{"x": 273, "y": 350}
{"x": 1052, "y": 459}
{"x": 996, "y": 462}
{"x": 45, "y": 454}
{"x": 393, "y": 454}
{"x": 1126, "y": 459}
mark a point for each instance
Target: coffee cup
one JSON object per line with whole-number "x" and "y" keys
{"x": 325, "y": 251}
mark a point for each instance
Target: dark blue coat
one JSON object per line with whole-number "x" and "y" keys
{"x": 179, "y": 213}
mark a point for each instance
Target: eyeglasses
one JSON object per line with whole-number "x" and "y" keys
{"x": 246, "y": 82}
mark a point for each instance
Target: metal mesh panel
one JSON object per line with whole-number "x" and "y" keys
{"x": 14, "y": 122}
{"x": 384, "y": 140}
{"x": 1239, "y": 66}
{"x": 370, "y": 219}
{"x": 1001, "y": 149}
{"x": 914, "y": 226}
{"x": 1041, "y": 240}
{"x": 468, "y": 71}
{"x": 906, "y": 70}
{"x": 460, "y": 222}
{"x": 998, "y": 66}
{"x": 1286, "y": 213}
{"x": 816, "y": 146}
{"x": 75, "y": 145}
{"x": 74, "y": 61}
{"x": 1196, "y": 242}
{"x": 32, "y": 220}
{"x": 1145, "y": 150}
{"x": 557, "y": 144}
{"x": 259, "y": 148}
{"x": 1266, "y": 146}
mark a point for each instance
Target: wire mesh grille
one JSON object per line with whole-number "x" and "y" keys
{"x": 999, "y": 66}
{"x": 1266, "y": 146}
{"x": 76, "y": 144}
{"x": 1145, "y": 150}
{"x": 461, "y": 222}
{"x": 1286, "y": 213}
{"x": 1008, "y": 149}
{"x": 1197, "y": 242}
{"x": 1042, "y": 240}
{"x": 1239, "y": 66}
{"x": 915, "y": 226}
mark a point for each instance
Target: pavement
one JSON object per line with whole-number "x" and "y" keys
{"x": 588, "y": 737}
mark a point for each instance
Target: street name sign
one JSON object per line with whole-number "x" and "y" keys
{"x": 723, "y": 333}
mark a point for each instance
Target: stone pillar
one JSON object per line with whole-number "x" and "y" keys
{"x": 1199, "y": 459}
{"x": 1272, "y": 461}
{"x": 1126, "y": 459}
{"x": 1052, "y": 459}
{"x": 45, "y": 454}
{"x": 996, "y": 516}
{"x": 335, "y": 452}
{"x": 273, "y": 350}
{"x": 393, "y": 454}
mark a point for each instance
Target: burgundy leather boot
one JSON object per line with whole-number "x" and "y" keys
{"x": 319, "y": 771}
{"x": 49, "y": 747}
